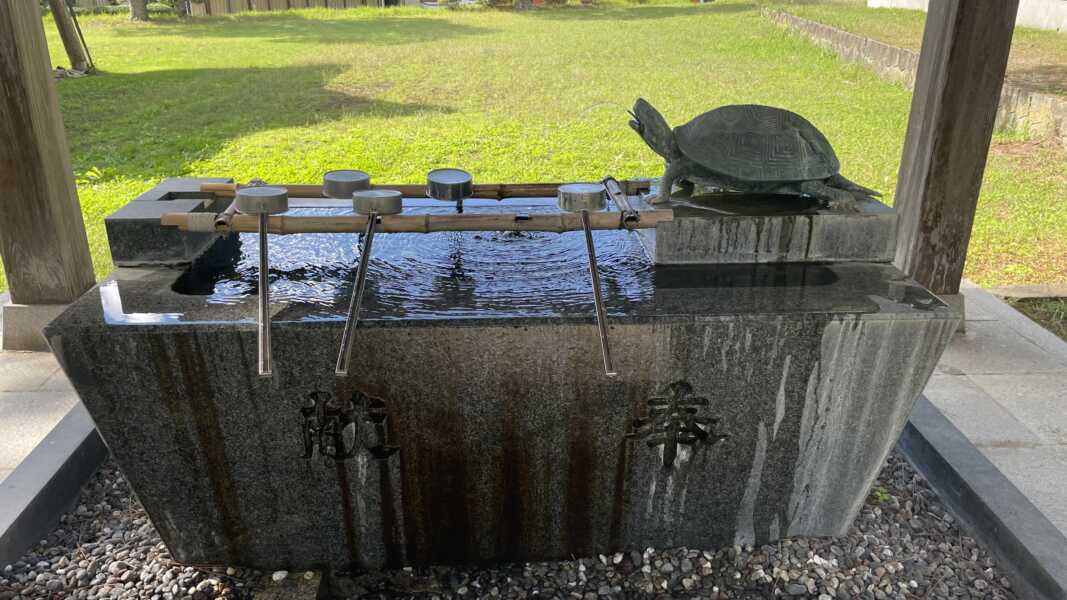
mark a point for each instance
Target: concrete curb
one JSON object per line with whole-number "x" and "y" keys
{"x": 1019, "y": 536}
{"x": 1021, "y": 108}
{"x": 46, "y": 483}
{"x": 1048, "y": 290}
{"x": 1020, "y": 323}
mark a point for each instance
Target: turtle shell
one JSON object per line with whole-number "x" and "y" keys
{"x": 757, "y": 143}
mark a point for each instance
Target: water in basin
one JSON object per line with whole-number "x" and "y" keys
{"x": 447, "y": 274}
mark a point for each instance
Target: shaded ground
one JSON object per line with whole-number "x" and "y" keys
{"x": 1038, "y": 58}
{"x": 510, "y": 96}
{"x": 903, "y": 545}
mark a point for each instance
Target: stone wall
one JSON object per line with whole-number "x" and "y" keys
{"x": 1042, "y": 14}
{"x": 1041, "y": 114}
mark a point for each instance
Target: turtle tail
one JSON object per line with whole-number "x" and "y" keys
{"x": 653, "y": 128}
{"x": 842, "y": 182}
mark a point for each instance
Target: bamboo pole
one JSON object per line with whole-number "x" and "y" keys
{"x": 290, "y": 224}
{"x": 493, "y": 191}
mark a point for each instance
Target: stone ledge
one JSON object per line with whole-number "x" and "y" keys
{"x": 1021, "y": 538}
{"x": 46, "y": 482}
{"x": 1020, "y": 107}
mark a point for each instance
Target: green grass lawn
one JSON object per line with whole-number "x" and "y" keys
{"x": 1038, "y": 57}
{"x": 1050, "y": 313}
{"x": 510, "y": 96}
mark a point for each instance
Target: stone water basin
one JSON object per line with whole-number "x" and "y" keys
{"x": 753, "y": 401}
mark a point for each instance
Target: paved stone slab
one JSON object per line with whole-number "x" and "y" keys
{"x": 26, "y": 371}
{"x": 1037, "y": 400}
{"x": 976, "y": 413}
{"x": 1023, "y": 325}
{"x": 993, "y": 347}
{"x": 27, "y": 417}
{"x": 58, "y": 382}
{"x": 1041, "y": 474}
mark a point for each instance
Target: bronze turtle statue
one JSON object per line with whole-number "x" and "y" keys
{"x": 750, "y": 149}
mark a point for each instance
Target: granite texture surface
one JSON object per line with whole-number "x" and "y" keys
{"x": 753, "y": 403}
{"x": 772, "y": 230}
{"x": 136, "y": 237}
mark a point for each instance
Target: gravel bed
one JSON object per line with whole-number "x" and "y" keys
{"x": 903, "y": 545}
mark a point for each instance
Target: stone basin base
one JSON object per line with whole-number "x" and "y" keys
{"x": 747, "y": 409}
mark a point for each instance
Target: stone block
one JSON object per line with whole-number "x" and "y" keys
{"x": 136, "y": 237}
{"x": 805, "y": 235}
{"x": 1041, "y": 474}
{"x": 993, "y": 347}
{"x": 23, "y": 325}
{"x": 749, "y": 407}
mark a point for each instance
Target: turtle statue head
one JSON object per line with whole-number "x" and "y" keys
{"x": 748, "y": 149}
{"x": 653, "y": 128}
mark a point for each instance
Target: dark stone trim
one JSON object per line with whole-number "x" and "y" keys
{"x": 1024, "y": 542}
{"x": 46, "y": 483}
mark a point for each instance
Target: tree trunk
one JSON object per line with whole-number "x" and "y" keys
{"x": 69, "y": 35}
{"x": 182, "y": 6}
{"x": 138, "y": 10}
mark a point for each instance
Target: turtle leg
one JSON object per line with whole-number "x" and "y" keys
{"x": 674, "y": 171}
{"x": 833, "y": 197}
{"x": 840, "y": 181}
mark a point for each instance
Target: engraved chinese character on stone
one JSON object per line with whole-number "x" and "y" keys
{"x": 674, "y": 420}
{"x": 335, "y": 428}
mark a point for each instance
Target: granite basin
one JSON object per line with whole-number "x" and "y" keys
{"x": 753, "y": 402}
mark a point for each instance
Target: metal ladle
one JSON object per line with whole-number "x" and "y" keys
{"x": 450, "y": 185}
{"x": 263, "y": 201}
{"x": 582, "y": 198}
{"x": 371, "y": 203}
{"x": 343, "y": 183}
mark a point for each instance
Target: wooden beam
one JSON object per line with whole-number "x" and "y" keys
{"x": 957, "y": 90}
{"x": 69, "y": 35}
{"x": 42, "y": 236}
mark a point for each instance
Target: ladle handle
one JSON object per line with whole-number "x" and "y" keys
{"x": 598, "y": 300}
{"x": 265, "y": 366}
{"x": 344, "y": 359}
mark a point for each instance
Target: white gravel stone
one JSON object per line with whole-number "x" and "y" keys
{"x": 902, "y": 545}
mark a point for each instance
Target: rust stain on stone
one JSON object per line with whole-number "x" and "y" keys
{"x": 346, "y": 511}
{"x": 201, "y": 398}
{"x": 581, "y": 456}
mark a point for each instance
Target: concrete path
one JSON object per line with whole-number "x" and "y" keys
{"x": 34, "y": 396}
{"x": 1003, "y": 383}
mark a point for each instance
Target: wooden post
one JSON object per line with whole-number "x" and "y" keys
{"x": 71, "y": 42}
{"x": 957, "y": 90}
{"x": 42, "y": 236}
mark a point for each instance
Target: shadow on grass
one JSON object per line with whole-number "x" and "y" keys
{"x": 637, "y": 13}
{"x": 155, "y": 124}
{"x": 283, "y": 27}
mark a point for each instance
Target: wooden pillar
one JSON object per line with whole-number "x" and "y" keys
{"x": 957, "y": 90}
{"x": 71, "y": 42}
{"x": 42, "y": 236}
